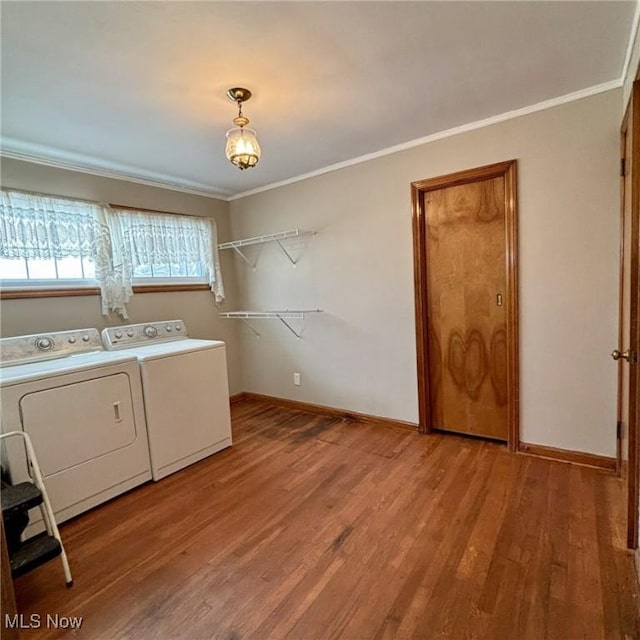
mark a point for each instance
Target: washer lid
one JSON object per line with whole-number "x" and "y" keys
{"x": 49, "y": 368}
{"x": 175, "y": 348}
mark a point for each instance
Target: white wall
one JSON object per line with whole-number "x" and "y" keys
{"x": 196, "y": 308}
{"x": 360, "y": 354}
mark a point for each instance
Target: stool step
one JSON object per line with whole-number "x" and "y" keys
{"x": 27, "y": 555}
{"x": 33, "y": 553}
{"x": 19, "y": 497}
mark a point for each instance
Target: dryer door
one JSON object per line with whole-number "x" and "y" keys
{"x": 76, "y": 423}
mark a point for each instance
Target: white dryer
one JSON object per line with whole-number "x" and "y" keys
{"x": 82, "y": 407}
{"x": 186, "y": 391}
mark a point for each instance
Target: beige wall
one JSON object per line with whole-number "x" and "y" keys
{"x": 632, "y": 70}
{"x": 197, "y": 309}
{"x": 360, "y": 354}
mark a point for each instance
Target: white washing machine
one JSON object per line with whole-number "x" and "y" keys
{"x": 186, "y": 391}
{"x": 82, "y": 406}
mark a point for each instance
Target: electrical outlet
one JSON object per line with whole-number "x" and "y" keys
{"x": 296, "y": 379}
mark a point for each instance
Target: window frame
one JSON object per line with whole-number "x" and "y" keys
{"x": 16, "y": 293}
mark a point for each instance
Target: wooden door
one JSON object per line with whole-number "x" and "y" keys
{"x": 466, "y": 302}
{"x": 626, "y": 352}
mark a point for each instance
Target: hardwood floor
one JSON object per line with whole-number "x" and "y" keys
{"x": 311, "y": 527}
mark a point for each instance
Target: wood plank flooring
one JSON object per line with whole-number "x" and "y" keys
{"x": 311, "y": 527}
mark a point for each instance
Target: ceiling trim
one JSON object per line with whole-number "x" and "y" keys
{"x": 41, "y": 154}
{"x": 447, "y": 133}
{"x": 60, "y": 159}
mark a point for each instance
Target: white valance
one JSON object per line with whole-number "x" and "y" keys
{"x": 42, "y": 227}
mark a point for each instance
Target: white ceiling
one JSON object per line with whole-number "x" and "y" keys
{"x": 138, "y": 88}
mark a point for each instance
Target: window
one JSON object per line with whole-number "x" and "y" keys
{"x": 49, "y": 241}
{"x": 54, "y": 242}
{"x": 162, "y": 247}
{"x": 72, "y": 270}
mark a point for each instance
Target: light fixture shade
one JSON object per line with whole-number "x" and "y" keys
{"x": 242, "y": 149}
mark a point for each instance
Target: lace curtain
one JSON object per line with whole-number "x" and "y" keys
{"x": 146, "y": 239}
{"x": 34, "y": 226}
{"x": 46, "y": 227}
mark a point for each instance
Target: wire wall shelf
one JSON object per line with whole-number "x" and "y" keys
{"x": 237, "y": 245}
{"x": 283, "y": 316}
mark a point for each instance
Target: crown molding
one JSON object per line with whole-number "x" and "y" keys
{"x": 472, "y": 126}
{"x": 40, "y": 154}
{"x": 60, "y": 159}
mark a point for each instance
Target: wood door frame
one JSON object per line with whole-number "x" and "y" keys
{"x": 632, "y": 116}
{"x": 620, "y": 470}
{"x": 508, "y": 171}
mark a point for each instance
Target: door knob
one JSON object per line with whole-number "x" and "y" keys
{"x": 616, "y": 355}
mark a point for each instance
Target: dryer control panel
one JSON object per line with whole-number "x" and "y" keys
{"x": 135, "y": 335}
{"x": 45, "y": 346}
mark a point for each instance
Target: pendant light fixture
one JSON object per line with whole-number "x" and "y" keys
{"x": 243, "y": 149}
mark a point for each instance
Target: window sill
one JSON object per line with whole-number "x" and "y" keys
{"x": 61, "y": 292}
{"x": 157, "y": 288}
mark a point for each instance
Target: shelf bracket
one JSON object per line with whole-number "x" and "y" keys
{"x": 255, "y": 333}
{"x": 251, "y": 264}
{"x": 286, "y": 253}
{"x": 286, "y": 324}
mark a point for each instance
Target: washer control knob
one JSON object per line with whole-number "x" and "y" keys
{"x": 178, "y": 327}
{"x": 169, "y": 327}
{"x": 44, "y": 344}
{"x": 71, "y": 340}
{"x": 118, "y": 334}
{"x": 130, "y": 333}
{"x": 150, "y": 331}
{"x": 85, "y": 338}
